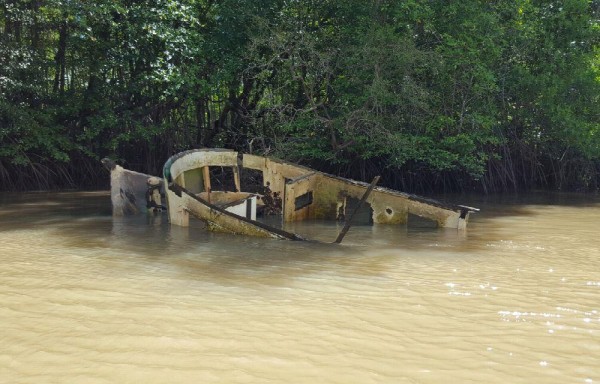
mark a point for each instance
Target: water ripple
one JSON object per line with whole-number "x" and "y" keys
{"x": 92, "y": 299}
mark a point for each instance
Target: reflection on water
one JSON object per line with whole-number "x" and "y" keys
{"x": 91, "y": 298}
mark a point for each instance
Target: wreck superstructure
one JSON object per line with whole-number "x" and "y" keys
{"x": 133, "y": 192}
{"x": 304, "y": 194}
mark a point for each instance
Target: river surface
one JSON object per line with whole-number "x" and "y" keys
{"x": 88, "y": 298}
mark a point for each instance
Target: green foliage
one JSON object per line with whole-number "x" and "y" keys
{"x": 29, "y": 135}
{"x": 501, "y": 93}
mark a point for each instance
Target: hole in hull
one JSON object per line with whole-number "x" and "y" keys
{"x": 364, "y": 215}
{"x": 303, "y": 200}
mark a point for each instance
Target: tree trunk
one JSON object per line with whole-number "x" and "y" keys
{"x": 60, "y": 59}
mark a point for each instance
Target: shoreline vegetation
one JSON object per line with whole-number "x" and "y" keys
{"x": 433, "y": 96}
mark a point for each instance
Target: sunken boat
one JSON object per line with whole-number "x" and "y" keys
{"x": 230, "y": 191}
{"x": 133, "y": 192}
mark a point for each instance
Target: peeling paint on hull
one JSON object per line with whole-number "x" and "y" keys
{"x": 128, "y": 189}
{"x": 306, "y": 194}
{"x": 302, "y": 193}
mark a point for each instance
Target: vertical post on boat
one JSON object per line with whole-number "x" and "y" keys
{"x": 206, "y": 177}
{"x": 362, "y": 200}
{"x": 236, "y": 179}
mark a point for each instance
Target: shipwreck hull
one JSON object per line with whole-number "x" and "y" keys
{"x": 129, "y": 189}
{"x": 305, "y": 194}
{"x": 220, "y": 219}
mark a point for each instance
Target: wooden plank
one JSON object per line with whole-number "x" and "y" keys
{"x": 360, "y": 203}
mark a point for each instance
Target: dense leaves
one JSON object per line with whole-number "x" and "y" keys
{"x": 491, "y": 95}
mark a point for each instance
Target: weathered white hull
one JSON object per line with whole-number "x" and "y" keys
{"x": 306, "y": 194}
{"x": 129, "y": 190}
{"x": 301, "y": 193}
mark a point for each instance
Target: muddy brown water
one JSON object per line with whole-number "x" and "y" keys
{"x": 88, "y": 298}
